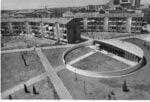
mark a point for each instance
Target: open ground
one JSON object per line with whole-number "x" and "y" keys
{"x": 80, "y": 87}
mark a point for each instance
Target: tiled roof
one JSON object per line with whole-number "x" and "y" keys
{"x": 96, "y": 14}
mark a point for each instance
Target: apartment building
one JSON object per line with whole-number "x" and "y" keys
{"x": 111, "y": 22}
{"x": 55, "y": 28}
{"x": 124, "y": 3}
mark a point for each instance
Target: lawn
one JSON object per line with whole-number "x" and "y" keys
{"x": 19, "y": 67}
{"x": 44, "y": 87}
{"x": 100, "y": 62}
{"x": 138, "y": 83}
{"x": 55, "y": 56}
{"x": 19, "y": 42}
{"x": 77, "y": 53}
{"x": 84, "y": 87}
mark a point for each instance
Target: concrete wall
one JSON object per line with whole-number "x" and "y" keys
{"x": 109, "y": 74}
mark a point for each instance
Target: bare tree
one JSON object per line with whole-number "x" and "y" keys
{"x": 26, "y": 89}
{"x": 35, "y": 91}
{"x": 76, "y": 76}
{"x": 124, "y": 87}
{"x": 55, "y": 94}
{"x": 19, "y": 73}
{"x": 109, "y": 97}
{"x": 50, "y": 85}
{"x": 10, "y": 97}
{"x": 84, "y": 88}
{"x": 24, "y": 60}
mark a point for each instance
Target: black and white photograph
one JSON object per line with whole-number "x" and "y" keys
{"x": 75, "y": 50}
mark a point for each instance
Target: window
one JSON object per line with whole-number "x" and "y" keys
{"x": 116, "y": 2}
{"x": 124, "y": 0}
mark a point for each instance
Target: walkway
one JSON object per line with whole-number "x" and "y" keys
{"x": 58, "y": 46}
{"x": 58, "y": 69}
{"x": 144, "y": 37}
{"x": 21, "y": 86}
{"x": 61, "y": 90}
{"x": 30, "y": 49}
{"x": 81, "y": 57}
{"x": 128, "y": 62}
{"x": 17, "y": 50}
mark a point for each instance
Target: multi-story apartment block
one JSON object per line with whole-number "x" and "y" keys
{"x": 56, "y": 28}
{"x": 94, "y": 7}
{"x": 111, "y": 22}
{"x": 124, "y": 3}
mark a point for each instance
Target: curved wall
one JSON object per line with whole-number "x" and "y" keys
{"x": 109, "y": 74}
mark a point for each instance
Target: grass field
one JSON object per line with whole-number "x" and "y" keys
{"x": 101, "y": 63}
{"x": 77, "y": 53}
{"x": 14, "y": 71}
{"x": 19, "y": 42}
{"x": 18, "y": 67}
{"x": 44, "y": 87}
{"x": 55, "y": 56}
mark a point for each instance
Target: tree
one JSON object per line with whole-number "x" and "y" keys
{"x": 144, "y": 44}
{"x": 124, "y": 87}
{"x": 76, "y": 76}
{"x": 10, "y": 97}
{"x": 26, "y": 89}
{"x": 24, "y": 60}
{"x": 55, "y": 94}
{"x": 19, "y": 72}
{"x": 85, "y": 88}
{"x": 35, "y": 91}
{"x": 148, "y": 48}
{"x": 109, "y": 97}
{"x": 112, "y": 93}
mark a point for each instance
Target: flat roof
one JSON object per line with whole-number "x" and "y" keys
{"x": 125, "y": 46}
{"x": 44, "y": 20}
{"x": 96, "y": 14}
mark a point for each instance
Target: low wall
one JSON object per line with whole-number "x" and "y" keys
{"x": 109, "y": 74}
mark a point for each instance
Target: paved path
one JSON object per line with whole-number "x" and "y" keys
{"x": 17, "y": 50}
{"x": 128, "y": 62}
{"x": 58, "y": 84}
{"x": 30, "y": 49}
{"x": 144, "y": 37}
{"x": 58, "y": 46}
{"x": 21, "y": 86}
{"x": 81, "y": 58}
{"x": 58, "y": 69}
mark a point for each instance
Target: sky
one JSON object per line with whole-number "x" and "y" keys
{"x": 31, "y": 4}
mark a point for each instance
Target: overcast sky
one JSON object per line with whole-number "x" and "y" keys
{"x": 29, "y": 4}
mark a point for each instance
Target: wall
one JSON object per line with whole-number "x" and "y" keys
{"x": 109, "y": 74}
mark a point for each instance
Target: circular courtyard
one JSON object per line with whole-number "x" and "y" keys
{"x": 104, "y": 58}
